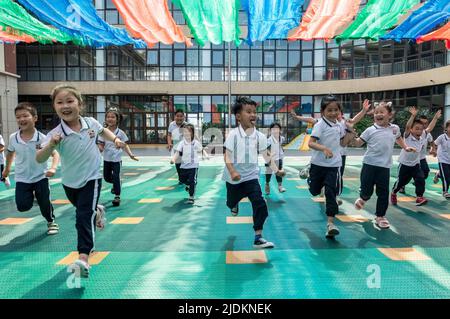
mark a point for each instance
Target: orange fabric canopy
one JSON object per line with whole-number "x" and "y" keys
{"x": 324, "y": 19}
{"x": 151, "y": 21}
{"x": 7, "y": 36}
{"x": 440, "y": 34}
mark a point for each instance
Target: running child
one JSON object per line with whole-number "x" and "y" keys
{"x": 327, "y": 138}
{"x": 31, "y": 177}
{"x": 174, "y": 136}
{"x": 75, "y": 138}
{"x": 442, "y": 144}
{"x": 241, "y": 171}
{"x": 409, "y": 164}
{"x": 274, "y": 143}
{"x": 377, "y": 162}
{"x": 186, "y": 153}
{"x": 112, "y": 156}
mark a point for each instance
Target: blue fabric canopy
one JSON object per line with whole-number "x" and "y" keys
{"x": 421, "y": 21}
{"x": 271, "y": 19}
{"x": 80, "y": 19}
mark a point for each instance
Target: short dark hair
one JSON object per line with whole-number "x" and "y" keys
{"x": 190, "y": 127}
{"x": 275, "y": 124}
{"x": 417, "y": 121}
{"x": 327, "y": 100}
{"x": 179, "y": 111}
{"x": 423, "y": 117}
{"x": 447, "y": 124}
{"x": 27, "y": 106}
{"x": 240, "y": 102}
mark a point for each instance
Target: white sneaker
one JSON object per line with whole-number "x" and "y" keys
{"x": 359, "y": 203}
{"x": 339, "y": 201}
{"x": 332, "y": 231}
{"x": 281, "y": 189}
{"x": 83, "y": 268}
{"x": 267, "y": 189}
{"x": 52, "y": 228}
{"x": 262, "y": 243}
{"x": 101, "y": 217}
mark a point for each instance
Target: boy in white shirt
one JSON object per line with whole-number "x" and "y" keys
{"x": 174, "y": 137}
{"x": 442, "y": 144}
{"x": 241, "y": 172}
{"x": 409, "y": 164}
{"x": 31, "y": 177}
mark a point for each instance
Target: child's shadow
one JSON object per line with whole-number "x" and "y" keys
{"x": 59, "y": 286}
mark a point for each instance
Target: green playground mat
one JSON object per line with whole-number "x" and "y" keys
{"x": 163, "y": 248}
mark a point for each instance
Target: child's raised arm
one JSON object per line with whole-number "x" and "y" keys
{"x": 401, "y": 142}
{"x": 358, "y": 117}
{"x": 305, "y": 119}
{"x": 433, "y": 121}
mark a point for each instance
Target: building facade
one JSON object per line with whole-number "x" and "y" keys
{"x": 149, "y": 85}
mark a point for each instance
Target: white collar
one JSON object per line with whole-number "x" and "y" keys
{"x": 67, "y": 130}
{"x": 378, "y": 126}
{"x": 243, "y": 134}
{"x": 35, "y": 137}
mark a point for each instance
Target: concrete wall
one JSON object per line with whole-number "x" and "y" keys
{"x": 386, "y": 83}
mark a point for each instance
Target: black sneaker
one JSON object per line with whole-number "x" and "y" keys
{"x": 235, "y": 210}
{"x": 187, "y": 189}
{"x": 116, "y": 201}
{"x": 190, "y": 200}
{"x": 262, "y": 243}
{"x": 112, "y": 191}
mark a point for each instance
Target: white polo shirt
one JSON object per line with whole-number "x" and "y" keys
{"x": 275, "y": 147}
{"x": 2, "y": 154}
{"x": 244, "y": 153}
{"x": 111, "y": 153}
{"x": 380, "y": 144}
{"x": 174, "y": 129}
{"x": 443, "y": 151}
{"x": 344, "y": 149}
{"x": 426, "y": 138}
{"x": 80, "y": 156}
{"x": 189, "y": 151}
{"x": 27, "y": 169}
{"x": 411, "y": 158}
{"x": 328, "y": 134}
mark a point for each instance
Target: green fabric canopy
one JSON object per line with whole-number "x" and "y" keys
{"x": 377, "y": 17}
{"x": 212, "y": 20}
{"x": 16, "y": 18}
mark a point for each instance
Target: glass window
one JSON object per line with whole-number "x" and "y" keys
{"x": 46, "y": 56}
{"x": 269, "y": 58}
{"x": 192, "y": 57}
{"x": 217, "y": 57}
{"x": 307, "y": 45}
{"x": 112, "y": 17}
{"x": 86, "y": 57}
{"x": 319, "y": 58}
{"x": 244, "y": 57}
{"x": 165, "y": 58}
{"x": 73, "y": 57}
{"x": 112, "y": 57}
{"x": 256, "y": 58}
{"x": 307, "y": 74}
{"x": 281, "y": 58}
{"x": 152, "y": 57}
{"x": 59, "y": 56}
{"x": 294, "y": 58}
{"x": 307, "y": 58}
{"x": 179, "y": 57}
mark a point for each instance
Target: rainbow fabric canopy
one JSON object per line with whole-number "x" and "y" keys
{"x": 80, "y": 19}
{"x": 421, "y": 21}
{"x": 149, "y": 22}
